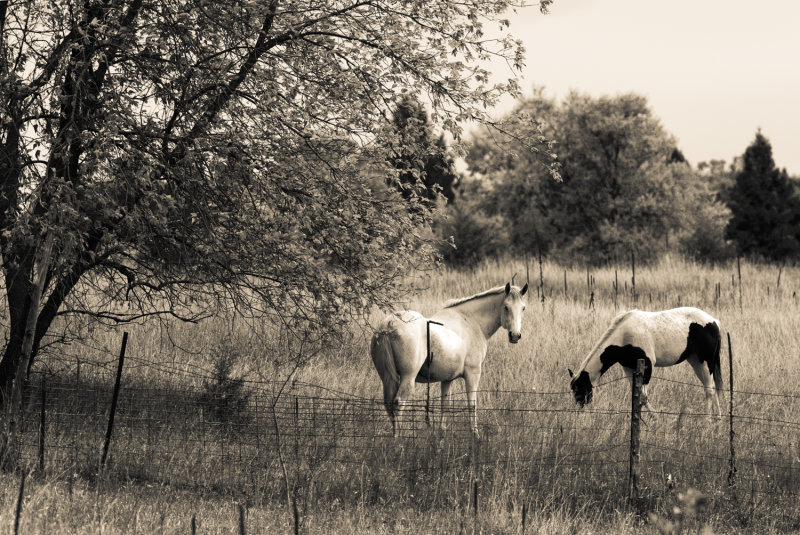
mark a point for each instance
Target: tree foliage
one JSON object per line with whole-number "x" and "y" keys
{"x": 765, "y": 206}
{"x": 425, "y": 167}
{"x": 625, "y": 188}
{"x": 184, "y": 151}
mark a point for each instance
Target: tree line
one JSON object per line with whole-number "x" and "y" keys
{"x": 623, "y": 187}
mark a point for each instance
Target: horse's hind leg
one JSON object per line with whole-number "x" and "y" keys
{"x": 471, "y": 384}
{"x": 405, "y": 391}
{"x": 445, "y": 402}
{"x": 389, "y": 393}
{"x": 702, "y": 373}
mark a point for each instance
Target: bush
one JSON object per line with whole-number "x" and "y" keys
{"x": 470, "y": 235}
{"x": 225, "y": 397}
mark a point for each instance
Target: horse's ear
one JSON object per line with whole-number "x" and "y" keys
{"x": 570, "y": 373}
{"x": 508, "y": 288}
{"x": 524, "y": 289}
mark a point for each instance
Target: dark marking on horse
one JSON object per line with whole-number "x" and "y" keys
{"x": 626, "y": 356}
{"x": 582, "y": 388}
{"x": 703, "y": 341}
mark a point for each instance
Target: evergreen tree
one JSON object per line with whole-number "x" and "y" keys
{"x": 424, "y": 166}
{"x": 765, "y": 206}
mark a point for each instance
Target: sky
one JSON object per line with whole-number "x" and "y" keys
{"x": 713, "y": 71}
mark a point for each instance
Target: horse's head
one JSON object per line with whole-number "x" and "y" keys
{"x": 511, "y": 316}
{"x": 581, "y": 387}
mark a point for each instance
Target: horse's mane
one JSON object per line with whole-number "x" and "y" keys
{"x": 458, "y": 301}
{"x": 606, "y": 335}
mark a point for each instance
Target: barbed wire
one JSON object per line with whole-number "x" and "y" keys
{"x": 179, "y": 427}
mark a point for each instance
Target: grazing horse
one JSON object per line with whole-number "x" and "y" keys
{"x": 458, "y": 346}
{"x": 662, "y": 339}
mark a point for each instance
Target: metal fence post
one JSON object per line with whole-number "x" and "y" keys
{"x": 636, "y": 418}
{"x": 732, "y": 459}
{"x": 428, "y": 362}
{"x": 114, "y": 398}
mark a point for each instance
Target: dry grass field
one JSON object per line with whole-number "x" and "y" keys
{"x": 542, "y": 465}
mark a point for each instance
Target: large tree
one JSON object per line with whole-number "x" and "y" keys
{"x": 765, "y": 206}
{"x": 173, "y": 152}
{"x": 625, "y": 187}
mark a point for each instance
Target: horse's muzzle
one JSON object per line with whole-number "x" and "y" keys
{"x": 514, "y": 337}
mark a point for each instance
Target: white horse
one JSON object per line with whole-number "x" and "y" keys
{"x": 458, "y": 346}
{"x": 662, "y": 339}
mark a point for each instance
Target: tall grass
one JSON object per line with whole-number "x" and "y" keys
{"x": 566, "y": 468}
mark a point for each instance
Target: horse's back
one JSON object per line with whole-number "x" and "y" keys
{"x": 666, "y": 332}
{"x": 399, "y": 323}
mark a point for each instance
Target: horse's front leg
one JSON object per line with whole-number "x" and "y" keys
{"x": 471, "y": 380}
{"x": 445, "y": 402}
{"x": 643, "y": 399}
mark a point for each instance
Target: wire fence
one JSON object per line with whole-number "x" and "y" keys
{"x": 260, "y": 437}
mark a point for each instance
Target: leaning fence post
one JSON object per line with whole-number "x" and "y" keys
{"x": 20, "y": 497}
{"x": 732, "y": 459}
{"x": 636, "y": 417}
{"x": 114, "y": 398}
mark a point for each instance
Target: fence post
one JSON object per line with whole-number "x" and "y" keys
{"x": 428, "y": 362}
{"x": 242, "y": 530}
{"x": 739, "y": 271}
{"x": 114, "y": 398}
{"x": 42, "y": 427}
{"x": 20, "y": 497}
{"x": 636, "y": 417}
{"x": 732, "y": 459}
{"x": 541, "y": 275}
{"x": 296, "y": 515}
{"x": 296, "y": 426}
{"x": 475, "y": 485}
{"x": 633, "y": 276}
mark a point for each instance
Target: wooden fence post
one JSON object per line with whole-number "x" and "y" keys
{"x": 739, "y": 271}
{"x": 242, "y": 530}
{"x": 296, "y": 515}
{"x": 732, "y": 459}
{"x": 296, "y": 426}
{"x": 42, "y": 425}
{"x": 20, "y": 497}
{"x": 475, "y": 511}
{"x": 633, "y": 276}
{"x": 636, "y": 418}
{"x": 114, "y": 397}
{"x": 541, "y": 275}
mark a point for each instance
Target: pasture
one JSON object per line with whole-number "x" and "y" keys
{"x": 189, "y": 445}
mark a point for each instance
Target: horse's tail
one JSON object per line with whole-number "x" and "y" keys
{"x": 383, "y": 355}
{"x": 715, "y": 364}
